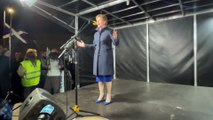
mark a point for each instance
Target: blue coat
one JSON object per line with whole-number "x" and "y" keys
{"x": 103, "y": 54}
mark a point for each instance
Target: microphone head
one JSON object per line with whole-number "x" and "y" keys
{"x": 94, "y": 22}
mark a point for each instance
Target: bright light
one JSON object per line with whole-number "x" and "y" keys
{"x": 28, "y": 2}
{"x": 127, "y": 2}
{"x": 10, "y": 10}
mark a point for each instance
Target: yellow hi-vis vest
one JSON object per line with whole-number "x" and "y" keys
{"x": 32, "y": 73}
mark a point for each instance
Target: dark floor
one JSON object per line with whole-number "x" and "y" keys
{"x": 137, "y": 100}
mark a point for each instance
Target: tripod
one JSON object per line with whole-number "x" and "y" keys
{"x": 73, "y": 59}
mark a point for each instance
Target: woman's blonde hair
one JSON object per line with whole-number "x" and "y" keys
{"x": 102, "y": 16}
{"x": 31, "y": 54}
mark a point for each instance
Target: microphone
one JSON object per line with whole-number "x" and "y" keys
{"x": 46, "y": 113}
{"x": 70, "y": 44}
{"x": 94, "y": 22}
{"x": 72, "y": 38}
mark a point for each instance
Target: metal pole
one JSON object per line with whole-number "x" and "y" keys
{"x": 10, "y": 41}
{"x": 114, "y": 61}
{"x": 77, "y": 83}
{"x": 76, "y": 55}
{"x": 147, "y": 52}
{"x": 195, "y": 48}
{"x": 4, "y": 25}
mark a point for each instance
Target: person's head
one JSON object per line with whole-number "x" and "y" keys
{"x": 43, "y": 54}
{"x": 31, "y": 54}
{"x": 18, "y": 55}
{"x": 101, "y": 20}
{"x": 54, "y": 54}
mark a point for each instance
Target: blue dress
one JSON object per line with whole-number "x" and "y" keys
{"x": 104, "y": 78}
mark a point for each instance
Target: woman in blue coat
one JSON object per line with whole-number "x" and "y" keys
{"x": 103, "y": 56}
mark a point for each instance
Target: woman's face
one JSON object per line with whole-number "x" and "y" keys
{"x": 100, "y": 22}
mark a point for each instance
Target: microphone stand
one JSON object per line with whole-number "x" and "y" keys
{"x": 69, "y": 40}
{"x": 67, "y": 45}
{"x": 76, "y": 109}
{"x": 71, "y": 44}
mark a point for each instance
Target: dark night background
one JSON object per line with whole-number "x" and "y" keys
{"x": 41, "y": 32}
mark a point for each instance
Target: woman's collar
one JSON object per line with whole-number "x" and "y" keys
{"x": 100, "y": 29}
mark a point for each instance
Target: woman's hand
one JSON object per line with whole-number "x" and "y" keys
{"x": 115, "y": 34}
{"x": 80, "y": 44}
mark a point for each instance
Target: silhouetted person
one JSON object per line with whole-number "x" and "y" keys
{"x": 44, "y": 68}
{"x": 17, "y": 88}
{"x": 53, "y": 81}
{"x": 70, "y": 65}
{"x": 6, "y": 112}
{"x": 4, "y": 74}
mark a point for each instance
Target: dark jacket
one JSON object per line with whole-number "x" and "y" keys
{"x": 4, "y": 76}
{"x": 103, "y": 54}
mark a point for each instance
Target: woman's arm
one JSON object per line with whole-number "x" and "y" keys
{"x": 21, "y": 71}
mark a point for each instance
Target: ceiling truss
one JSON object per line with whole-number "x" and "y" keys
{"x": 121, "y": 12}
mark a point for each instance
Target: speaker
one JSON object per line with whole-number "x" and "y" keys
{"x": 35, "y": 102}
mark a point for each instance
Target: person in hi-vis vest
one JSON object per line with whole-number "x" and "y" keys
{"x": 30, "y": 71}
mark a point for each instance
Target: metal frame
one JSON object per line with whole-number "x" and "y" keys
{"x": 153, "y": 10}
{"x": 96, "y": 7}
{"x": 54, "y": 17}
{"x": 181, "y": 7}
{"x": 142, "y": 9}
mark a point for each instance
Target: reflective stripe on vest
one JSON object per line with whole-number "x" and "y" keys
{"x": 32, "y": 73}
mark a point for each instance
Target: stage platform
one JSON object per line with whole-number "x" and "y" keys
{"x": 137, "y": 100}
